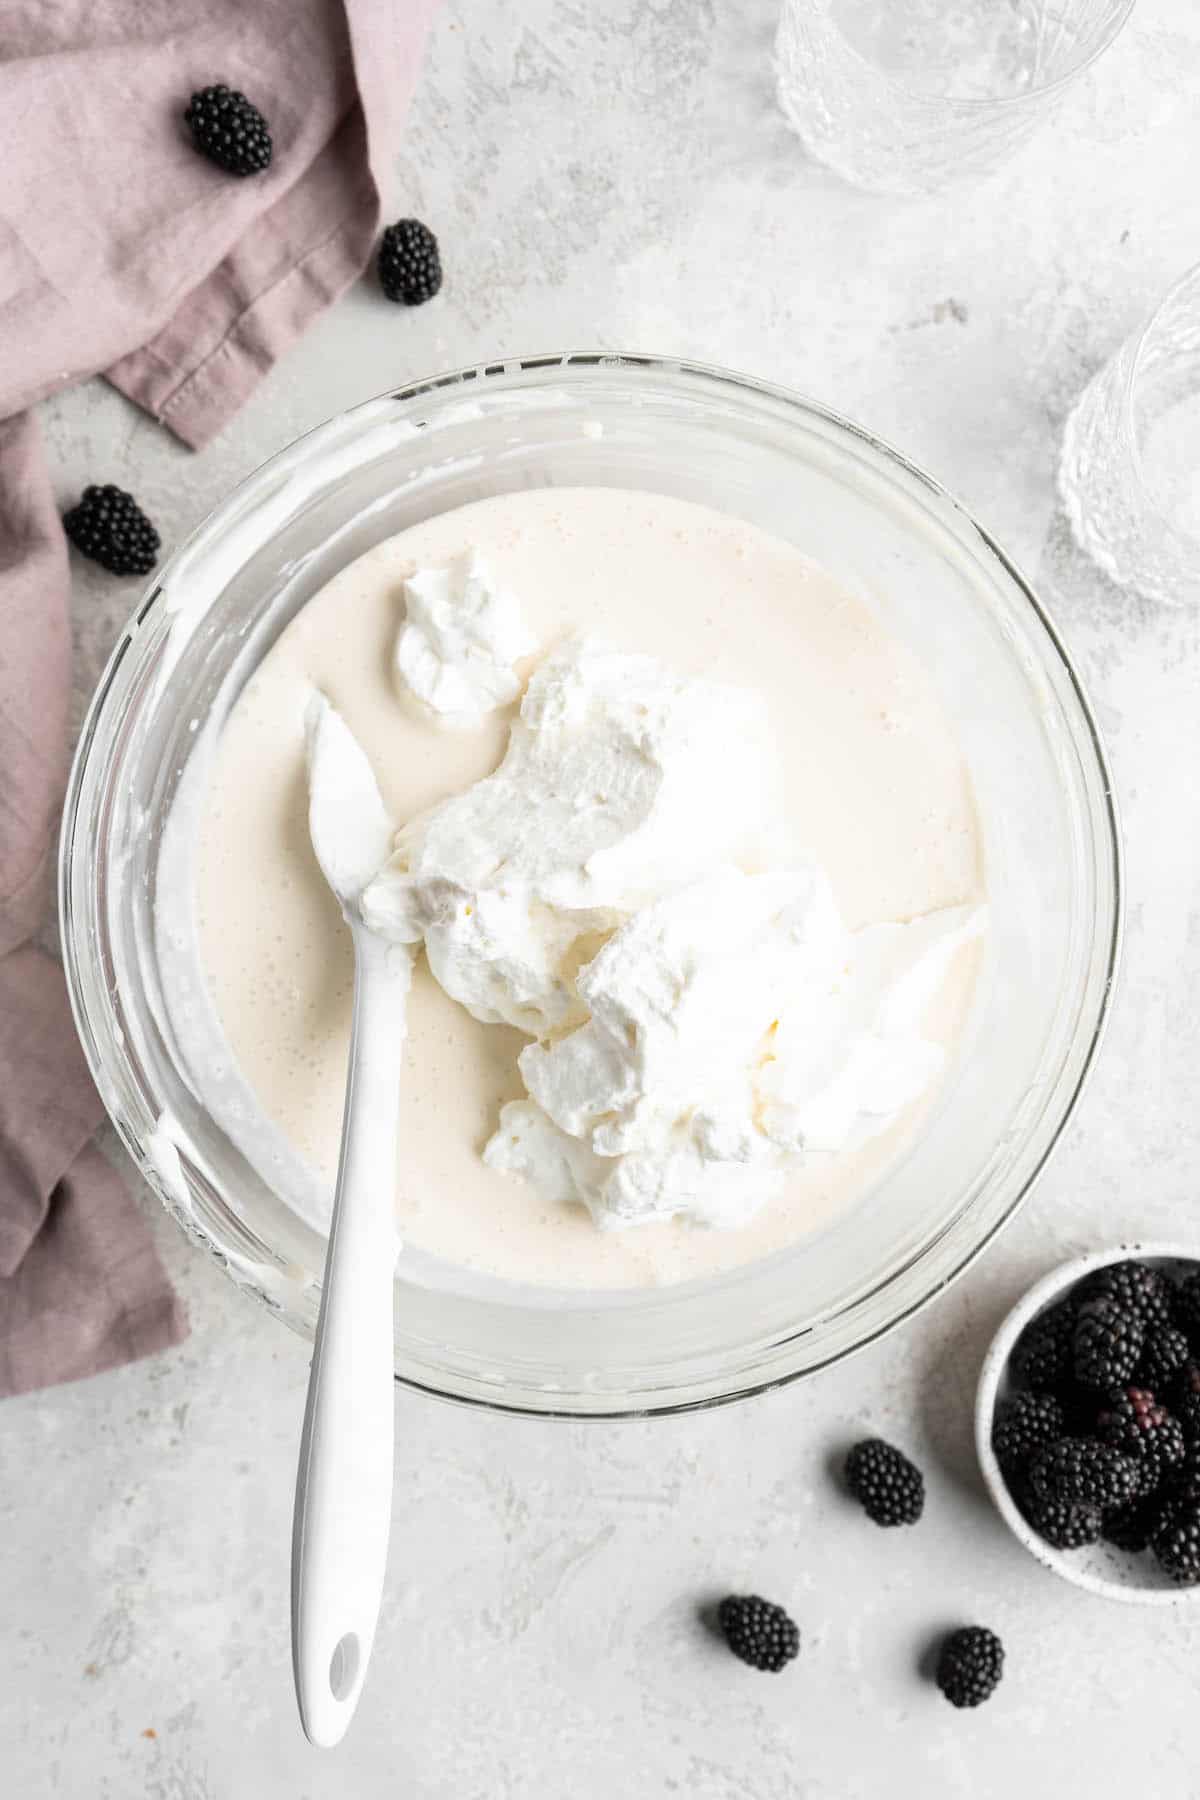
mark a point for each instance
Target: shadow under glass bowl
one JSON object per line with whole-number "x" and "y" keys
{"x": 882, "y": 529}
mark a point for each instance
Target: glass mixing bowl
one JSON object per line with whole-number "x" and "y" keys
{"x": 879, "y": 526}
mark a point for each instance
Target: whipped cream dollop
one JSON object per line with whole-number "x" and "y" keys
{"x": 622, "y": 780}
{"x": 461, "y": 636}
{"x": 734, "y": 1028}
{"x": 697, "y": 1029}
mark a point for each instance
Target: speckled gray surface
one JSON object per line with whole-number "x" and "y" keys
{"x": 619, "y": 176}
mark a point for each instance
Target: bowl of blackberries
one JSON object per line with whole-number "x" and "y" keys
{"x": 1088, "y": 1423}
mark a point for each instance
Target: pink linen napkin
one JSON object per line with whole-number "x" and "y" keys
{"x": 123, "y": 251}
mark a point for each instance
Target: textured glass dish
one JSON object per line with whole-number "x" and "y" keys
{"x": 909, "y": 98}
{"x": 880, "y": 527}
{"x": 1129, "y": 475}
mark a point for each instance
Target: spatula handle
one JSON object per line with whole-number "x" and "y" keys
{"x": 344, "y": 1483}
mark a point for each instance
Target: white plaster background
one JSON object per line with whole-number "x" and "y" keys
{"x": 618, "y": 175}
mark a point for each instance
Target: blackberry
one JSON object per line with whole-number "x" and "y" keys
{"x": 1186, "y": 1395}
{"x": 970, "y": 1665}
{"x": 1080, "y": 1406}
{"x": 1184, "y": 1480}
{"x": 1066, "y": 1527}
{"x": 229, "y": 130}
{"x": 109, "y": 526}
{"x": 1133, "y": 1422}
{"x": 1133, "y": 1527}
{"x": 1164, "y": 1352}
{"x": 758, "y": 1632}
{"x": 1185, "y": 1309}
{"x": 1042, "y": 1358}
{"x": 1135, "y": 1287}
{"x": 410, "y": 269}
{"x": 1023, "y": 1424}
{"x": 1084, "y": 1473}
{"x": 889, "y": 1488}
{"x": 1176, "y": 1543}
{"x": 1107, "y": 1344}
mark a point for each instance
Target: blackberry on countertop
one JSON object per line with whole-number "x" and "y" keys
{"x": 1134, "y": 1422}
{"x": 1066, "y": 1527}
{"x": 1107, "y": 1344}
{"x": 758, "y": 1631}
{"x": 410, "y": 268}
{"x": 889, "y": 1488}
{"x": 1084, "y": 1473}
{"x": 1186, "y": 1309}
{"x": 1023, "y": 1424}
{"x": 1176, "y": 1543}
{"x": 1042, "y": 1358}
{"x": 109, "y": 526}
{"x": 1164, "y": 1352}
{"x": 1135, "y": 1287}
{"x": 229, "y": 130}
{"x": 970, "y": 1665}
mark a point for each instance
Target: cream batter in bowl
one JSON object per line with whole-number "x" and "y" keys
{"x": 821, "y": 568}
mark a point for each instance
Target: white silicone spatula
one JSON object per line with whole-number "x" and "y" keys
{"x": 344, "y": 1482}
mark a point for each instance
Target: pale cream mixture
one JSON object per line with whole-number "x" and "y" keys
{"x": 876, "y": 789}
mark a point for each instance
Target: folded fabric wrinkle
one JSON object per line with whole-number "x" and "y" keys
{"x": 138, "y": 259}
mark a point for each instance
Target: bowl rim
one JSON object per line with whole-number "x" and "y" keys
{"x": 1108, "y": 853}
{"x": 998, "y": 105}
{"x": 1035, "y": 1301}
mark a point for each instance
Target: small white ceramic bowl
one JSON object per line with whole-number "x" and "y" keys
{"x": 1098, "y": 1568}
